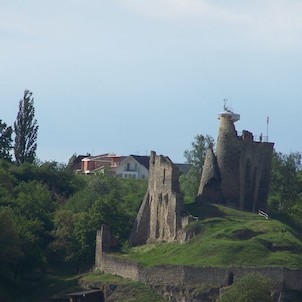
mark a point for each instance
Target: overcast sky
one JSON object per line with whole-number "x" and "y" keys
{"x": 130, "y": 76}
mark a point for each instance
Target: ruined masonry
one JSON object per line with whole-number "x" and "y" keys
{"x": 236, "y": 174}
{"x": 239, "y": 173}
{"x": 161, "y": 216}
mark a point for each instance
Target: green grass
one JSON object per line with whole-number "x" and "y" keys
{"x": 126, "y": 290}
{"x": 97, "y": 276}
{"x": 227, "y": 237}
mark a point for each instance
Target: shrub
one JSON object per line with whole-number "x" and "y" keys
{"x": 251, "y": 288}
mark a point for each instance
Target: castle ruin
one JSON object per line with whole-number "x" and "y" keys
{"x": 236, "y": 174}
{"x": 239, "y": 173}
{"x": 161, "y": 215}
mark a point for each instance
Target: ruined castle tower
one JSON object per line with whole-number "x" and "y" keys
{"x": 160, "y": 215}
{"x": 210, "y": 182}
{"x": 103, "y": 238}
{"x": 239, "y": 173}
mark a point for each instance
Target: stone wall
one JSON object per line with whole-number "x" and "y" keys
{"x": 182, "y": 275}
{"x": 160, "y": 217}
{"x": 120, "y": 267}
{"x": 104, "y": 242}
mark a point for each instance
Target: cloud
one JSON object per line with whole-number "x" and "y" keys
{"x": 173, "y": 8}
{"x": 276, "y": 23}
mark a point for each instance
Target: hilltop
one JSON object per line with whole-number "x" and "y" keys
{"x": 227, "y": 237}
{"x": 228, "y": 245}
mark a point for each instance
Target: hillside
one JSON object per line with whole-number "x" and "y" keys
{"x": 227, "y": 237}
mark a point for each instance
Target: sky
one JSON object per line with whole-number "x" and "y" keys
{"x": 131, "y": 76}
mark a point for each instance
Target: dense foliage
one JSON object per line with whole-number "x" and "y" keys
{"x": 5, "y": 141}
{"x": 50, "y": 215}
{"x": 285, "y": 196}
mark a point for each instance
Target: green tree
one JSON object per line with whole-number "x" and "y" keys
{"x": 285, "y": 183}
{"x": 64, "y": 247}
{"x": 10, "y": 248}
{"x": 26, "y": 130}
{"x": 133, "y": 191}
{"x": 195, "y": 157}
{"x": 7, "y": 183}
{"x": 33, "y": 208}
{"x": 250, "y": 288}
{"x": 5, "y": 141}
{"x": 105, "y": 199}
{"x": 61, "y": 181}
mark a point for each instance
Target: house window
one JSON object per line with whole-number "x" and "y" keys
{"x": 128, "y": 166}
{"x": 135, "y": 169}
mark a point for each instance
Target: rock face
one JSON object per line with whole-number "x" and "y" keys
{"x": 161, "y": 216}
{"x": 239, "y": 173}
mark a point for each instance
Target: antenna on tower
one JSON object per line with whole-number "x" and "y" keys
{"x": 225, "y": 107}
{"x": 228, "y": 112}
{"x": 267, "y": 123}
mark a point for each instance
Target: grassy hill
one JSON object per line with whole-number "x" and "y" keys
{"x": 227, "y": 237}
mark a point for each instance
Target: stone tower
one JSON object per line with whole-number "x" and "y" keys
{"x": 239, "y": 173}
{"x": 103, "y": 238}
{"x": 211, "y": 180}
{"x": 160, "y": 217}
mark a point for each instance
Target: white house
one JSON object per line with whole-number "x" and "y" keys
{"x": 134, "y": 166}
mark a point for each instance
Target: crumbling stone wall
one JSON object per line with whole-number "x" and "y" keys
{"x": 160, "y": 217}
{"x": 239, "y": 173}
{"x": 282, "y": 278}
{"x": 104, "y": 242}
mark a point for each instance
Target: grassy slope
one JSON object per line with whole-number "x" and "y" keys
{"x": 127, "y": 290}
{"x": 228, "y": 237}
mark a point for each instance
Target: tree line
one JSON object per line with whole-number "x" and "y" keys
{"x": 49, "y": 215}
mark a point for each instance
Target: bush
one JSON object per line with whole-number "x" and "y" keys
{"x": 250, "y": 288}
